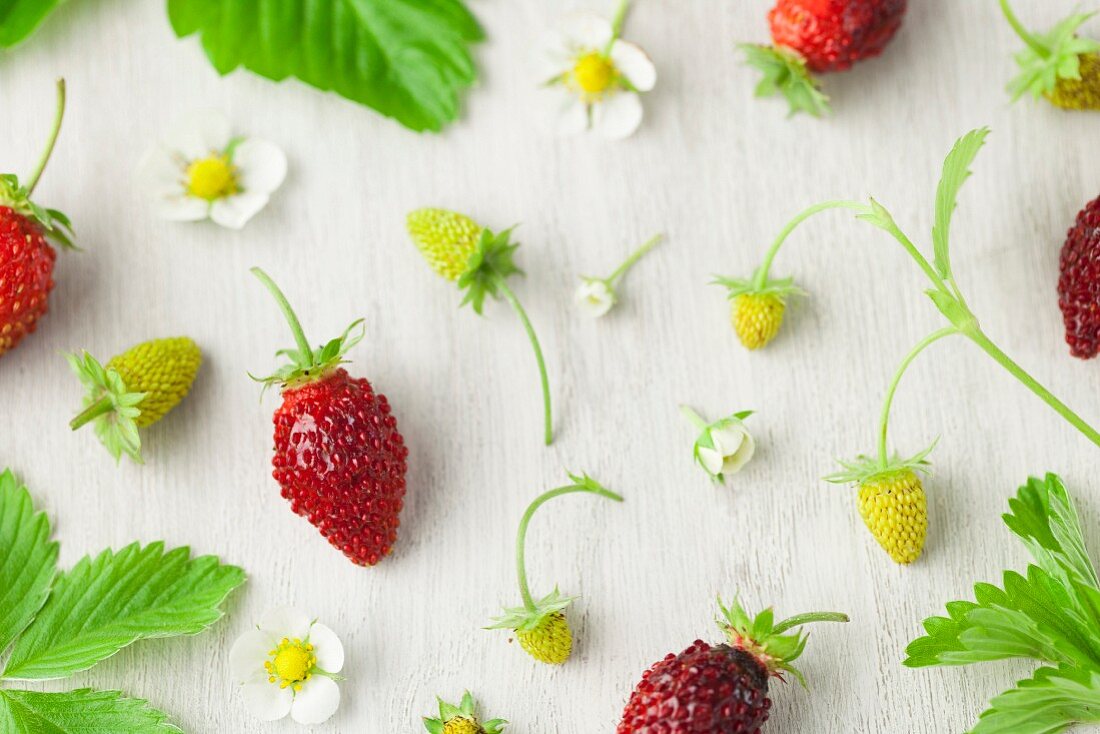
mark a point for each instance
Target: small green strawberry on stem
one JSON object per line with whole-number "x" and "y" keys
{"x": 886, "y": 481}
{"x": 134, "y": 390}
{"x": 480, "y": 262}
{"x": 461, "y": 719}
{"x": 540, "y": 625}
{"x": 723, "y": 446}
{"x": 1058, "y": 64}
{"x": 596, "y": 296}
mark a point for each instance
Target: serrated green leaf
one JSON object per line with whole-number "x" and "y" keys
{"x": 956, "y": 169}
{"x": 107, "y": 603}
{"x": 1050, "y": 701}
{"x": 28, "y": 559}
{"x": 407, "y": 59}
{"x": 20, "y": 18}
{"x": 1043, "y": 516}
{"x": 79, "y": 712}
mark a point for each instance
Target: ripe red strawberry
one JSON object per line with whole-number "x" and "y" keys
{"x": 1079, "y": 283}
{"x": 816, "y": 37}
{"x": 26, "y": 258}
{"x": 720, "y": 689}
{"x": 338, "y": 455}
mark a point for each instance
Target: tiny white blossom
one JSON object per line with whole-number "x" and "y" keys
{"x": 595, "y": 297}
{"x": 288, "y": 664}
{"x": 203, "y": 172}
{"x": 724, "y": 446}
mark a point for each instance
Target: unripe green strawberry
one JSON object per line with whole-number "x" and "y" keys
{"x": 550, "y": 642}
{"x": 1060, "y": 65}
{"x": 445, "y": 238}
{"x": 756, "y": 318}
{"x": 461, "y": 719}
{"x": 134, "y": 390}
{"x": 1083, "y": 93}
{"x": 894, "y": 509}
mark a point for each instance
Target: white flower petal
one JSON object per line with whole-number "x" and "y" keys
{"x": 261, "y": 166}
{"x": 587, "y": 31}
{"x": 735, "y": 461}
{"x": 711, "y": 460}
{"x": 594, "y": 297}
{"x": 161, "y": 173}
{"x": 327, "y": 647}
{"x": 573, "y": 117}
{"x": 235, "y": 211}
{"x": 316, "y": 702}
{"x": 556, "y": 58}
{"x": 181, "y": 208}
{"x": 267, "y": 701}
{"x": 728, "y": 438}
{"x": 634, "y": 64}
{"x": 617, "y": 116}
{"x": 200, "y": 134}
{"x": 248, "y": 654}
{"x": 286, "y": 622}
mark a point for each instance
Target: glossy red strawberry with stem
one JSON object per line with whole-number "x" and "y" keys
{"x": 339, "y": 457}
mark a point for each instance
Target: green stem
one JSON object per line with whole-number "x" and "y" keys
{"x": 288, "y": 312}
{"x": 103, "y": 406}
{"x": 1025, "y": 35}
{"x": 762, "y": 274}
{"x": 617, "y": 23}
{"x": 800, "y": 619}
{"x": 695, "y": 418}
{"x": 32, "y": 182}
{"x": 548, "y": 421}
{"x": 521, "y": 536}
{"x": 634, "y": 257}
{"x": 884, "y": 420}
{"x": 979, "y": 338}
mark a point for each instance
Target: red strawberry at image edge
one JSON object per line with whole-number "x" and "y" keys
{"x": 1079, "y": 283}
{"x": 831, "y": 35}
{"x": 720, "y": 689}
{"x": 339, "y": 457}
{"x": 26, "y": 258}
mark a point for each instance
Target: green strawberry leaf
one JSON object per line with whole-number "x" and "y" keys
{"x": 28, "y": 559}
{"x": 956, "y": 169}
{"x": 79, "y": 712}
{"x": 107, "y": 603}
{"x": 1050, "y": 701}
{"x": 1043, "y": 515}
{"x": 407, "y": 59}
{"x": 20, "y": 18}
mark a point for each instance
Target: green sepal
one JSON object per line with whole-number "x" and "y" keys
{"x": 308, "y": 366}
{"x": 784, "y": 72}
{"x": 57, "y": 226}
{"x": 781, "y": 288}
{"x": 116, "y": 425}
{"x": 705, "y": 440}
{"x": 522, "y": 618}
{"x": 1052, "y": 56}
{"x": 466, "y": 709}
{"x": 490, "y": 263}
{"x": 867, "y": 468}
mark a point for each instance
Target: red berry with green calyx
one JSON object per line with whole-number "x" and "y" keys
{"x": 339, "y": 457}
{"x": 26, "y": 257}
{"x": 720, "y": 689}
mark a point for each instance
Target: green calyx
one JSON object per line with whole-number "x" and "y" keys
{"x": 306, "y": 363}
{"x": 466, "y": 710}
{"x": 871, "y": 468}
{"x": 109, "y": 406}
{"x": 529, "y": 618}
{"x": 766, "y": 639}
{"x": 781, "y": 288}
{"x": 1048, "y": 57}
{"x": 784, "y": 72}
{"x": 490, "y": 264}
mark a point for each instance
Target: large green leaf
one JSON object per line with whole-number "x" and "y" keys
{"x": 79, "y": 712}
{"x": 20, "y": 18}
{"x": 1050, "y": 701}
{"x": 28, "y": 559}
{"x": 1043, "y": 515}
{"x": 956, "y": 169}
{"x": 408, "y": 59}
{"x": 107, "y": 603}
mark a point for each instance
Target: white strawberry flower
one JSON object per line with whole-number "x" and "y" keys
{"x": 596, "y": 296}
{"x": 599, "y": 76}
{"x": 724, "y": 446}
{"x": 288, "y": 664}
{"x": 202, "y": 172}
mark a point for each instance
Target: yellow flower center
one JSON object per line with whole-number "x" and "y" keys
{"x": 291, "y": 664}
{"x": 211, "y": 178}
{"x": 594, "y": 73}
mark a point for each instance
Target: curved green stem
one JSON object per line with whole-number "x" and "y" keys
{"x": 288, "y": 312}
{"x": 617, "y": 22}
{"x": 884, "y": 420}
{"x": 762, "y": 274}
{"x": 32, "y": 182}
{"x": 1025, "y": 35}
{"x": 103, "y": 406}
{"x": 696, "y": 420}
{"x": 800, "y": 619}
{"x": 548, "y": 421}
{"x": 634, "y": 257}
{"x": 521, "y": 536}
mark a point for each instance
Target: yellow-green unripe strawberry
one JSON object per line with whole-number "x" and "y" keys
{"x": 446, "y": 239}
{"x": 1082, "y": 93}
{"x": 134, "y": 389}
{"x": 540, "y": 625}
{"x": 757, "y": 305}
{"x": 461, "y": 719}
{"x": 1059, "y": 64}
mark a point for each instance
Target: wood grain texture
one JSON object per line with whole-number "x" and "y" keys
{"x": 716, "y": 171}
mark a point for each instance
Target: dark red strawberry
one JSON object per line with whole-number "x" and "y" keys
{"x": 339, "y": 457}
{"x": 1079, "y": 283}
{"x": 26, "y": 258}
{"x": 721, "y": 689}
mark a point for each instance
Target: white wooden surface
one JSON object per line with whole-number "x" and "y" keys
{"x": 716, "y": 171}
